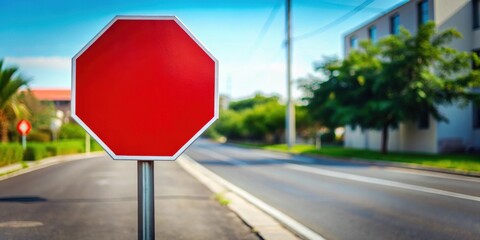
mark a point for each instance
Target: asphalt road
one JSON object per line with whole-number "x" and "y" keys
{"x": 341, "y": 200}
{"x": 97, "y": 199}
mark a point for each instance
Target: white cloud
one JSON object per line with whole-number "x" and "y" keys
{"x": 54, "y": 62}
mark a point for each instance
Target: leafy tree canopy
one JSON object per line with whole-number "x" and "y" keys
{"x": 251, "y": 102}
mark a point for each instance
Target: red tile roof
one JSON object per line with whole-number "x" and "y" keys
{"x": 51, "y": 94}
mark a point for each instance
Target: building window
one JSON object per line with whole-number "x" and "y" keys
{"x": 424, "y": 121}
{"x": 476, "y": 14}
{"x": 395, "y": 24}
{"x": 372, "y": 33}
{"x": 423, "y": 15}
{"x": 353, "y": 42}
{"x": 476, "y": 115}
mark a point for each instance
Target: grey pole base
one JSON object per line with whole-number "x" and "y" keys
{"x": 146, "y": 201}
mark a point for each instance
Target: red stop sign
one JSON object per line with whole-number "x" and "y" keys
{"x": 145, "y": 88}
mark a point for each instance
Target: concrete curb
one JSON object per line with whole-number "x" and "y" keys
{"x": 18, "y": 169}
{"x": 261, "y": 217}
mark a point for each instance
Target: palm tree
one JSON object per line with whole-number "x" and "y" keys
{"x": 10, "y": 82}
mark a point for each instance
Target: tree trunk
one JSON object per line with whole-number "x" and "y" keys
{"x": 3, "y": 127}
{"x": 384, "y": 138}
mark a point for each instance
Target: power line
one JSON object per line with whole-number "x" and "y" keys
{"x": 266, "y": 26}
{"x": 336, "y": 21}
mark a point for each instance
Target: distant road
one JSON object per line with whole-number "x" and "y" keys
{"x": 342, "y": 200}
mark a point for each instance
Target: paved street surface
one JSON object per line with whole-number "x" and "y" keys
{"x": 97, "y": 199}
{"x": 341, "y": 200}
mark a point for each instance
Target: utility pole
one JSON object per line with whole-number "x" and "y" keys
{"x": 290, "y": 108}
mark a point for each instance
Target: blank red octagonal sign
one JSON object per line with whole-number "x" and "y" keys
{"x": 145, "y": 88}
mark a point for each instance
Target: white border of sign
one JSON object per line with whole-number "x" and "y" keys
{"x": 89, "y": 131}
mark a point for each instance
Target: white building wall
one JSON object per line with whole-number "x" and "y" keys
{"x": 459, "y": 127}
{"x": 371, "y": 139}
{"x": 414, "y": 139}
{"x": 354, "y": 138}
{"x": 456, "y": 14}
{"x": 408, "y": 19}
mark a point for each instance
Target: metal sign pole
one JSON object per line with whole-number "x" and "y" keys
{"x": 146, "y": 201}
{"x": 290, "y": 106}
{"x": 24, "y": 141}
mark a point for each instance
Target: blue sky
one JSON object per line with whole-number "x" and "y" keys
{"x": 41, "y": 37}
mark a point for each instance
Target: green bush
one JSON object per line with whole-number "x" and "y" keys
{"x": 71, "y": 131}
{"x": 13, "y": 152}
{"x": 51, "y": 150}
{"x": 35, "y": 151}
{"x": 212, "y": 133}
{"x": 10, "y": 153}
{"x": 66, "y": 147}
{"x": 38, "y": 136}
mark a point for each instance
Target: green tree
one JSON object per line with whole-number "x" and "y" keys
{"x": 230, "y": 124}
{"x": 401, "y": 78}
{"x": 265, "y": 121}
{"x": 15, "y": 111}
{"x": 10, "y": 82}
{"x": 251, "y": 102}
{"x": 260, "y": 118}
{"x": 341, "y": 98}
{"x": 40, "y": 113}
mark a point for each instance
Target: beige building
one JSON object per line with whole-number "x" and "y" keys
{"x": 427, "y": 135}
{"x": 59, "y": 97}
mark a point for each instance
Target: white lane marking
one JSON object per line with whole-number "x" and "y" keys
{"x": 280, "y": 216}
{"x": 378, "y": 181}
{"x": 437, "y": 175}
